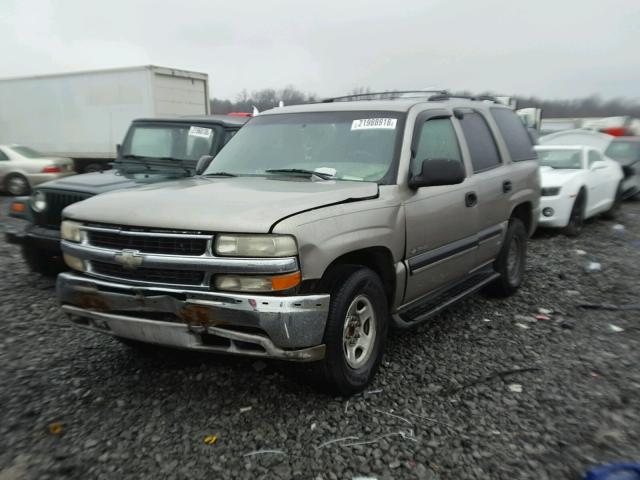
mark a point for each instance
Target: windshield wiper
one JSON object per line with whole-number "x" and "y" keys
{"x": 324, "y": 176}
{"x": 219, "y": 174}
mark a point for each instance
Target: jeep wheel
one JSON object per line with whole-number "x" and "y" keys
{"x": 42, "y": 262}
{"x": 356, "y": 332}
{"x": 511, "y": 261}
{"x": 576, "y": 218}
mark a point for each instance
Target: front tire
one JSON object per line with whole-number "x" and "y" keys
{"x": 42, "y": 262}
{"x": 511, "y": 261}
{"x": 576, "y": 218}
{"x": 356, "y": 332}
{"x": 612, "y": 213}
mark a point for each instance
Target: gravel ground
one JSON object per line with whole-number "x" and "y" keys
{"x": 483, "y": 391}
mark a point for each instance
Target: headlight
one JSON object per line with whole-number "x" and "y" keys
{"x": 246, "y": 283}
{"x": 38, "y": 201}
{"x": 550, "y": 191}
{"x": 256, "y": 246}
{"x": 70, "y": 231}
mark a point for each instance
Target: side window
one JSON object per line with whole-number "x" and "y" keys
{"x": 438, "y": 140}
{"x": 482, "y": 146}
{"x": 228, "y": 135}
{"x": 594, "y": 156}
{"x": 3, "y": 156}
{"x": 515, "y": 135}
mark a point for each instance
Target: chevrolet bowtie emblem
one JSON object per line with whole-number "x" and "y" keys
{"x": 129, "y": 259}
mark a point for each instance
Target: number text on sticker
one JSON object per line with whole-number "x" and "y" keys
{"x": 374, "y": 123}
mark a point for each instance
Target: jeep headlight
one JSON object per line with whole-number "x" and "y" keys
{"x": 39, "y": 201}
{"x": 256, "y": 246}
{"x": 70, "y": 230}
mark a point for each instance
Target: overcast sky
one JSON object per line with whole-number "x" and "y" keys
{"x": 550, "y": 48}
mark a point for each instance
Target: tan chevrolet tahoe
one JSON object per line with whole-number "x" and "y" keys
{"x": 316, "y": 229}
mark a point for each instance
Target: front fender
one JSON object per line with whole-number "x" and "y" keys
{"x": 324, "y": 235}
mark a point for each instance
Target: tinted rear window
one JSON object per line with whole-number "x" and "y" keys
{"x": 515, "y": 135}
{"x": 482, "y": 147}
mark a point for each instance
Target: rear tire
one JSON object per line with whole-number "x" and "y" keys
{"x": 612, "y": 213}
{"x": 355, "y": 334}
{"x": 511, "y": 261}
{"x": 17, "y": 184}
{"x": 93, "y": 167}
{"x": 576, "y": 218}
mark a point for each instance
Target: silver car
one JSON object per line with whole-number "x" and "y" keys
{"x": 22, "y": 168}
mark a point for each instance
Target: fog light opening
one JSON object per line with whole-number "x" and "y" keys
{"x": 548, "y": 212}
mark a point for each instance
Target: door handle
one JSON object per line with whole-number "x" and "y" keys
{"x": 470, "y": 199}
{"x": 507, "y": 186}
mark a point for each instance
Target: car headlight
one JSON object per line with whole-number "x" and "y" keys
{"x": 38, "y": 201}
{"x": 256, "y": 246}
{"x": 550, "y": 191}
{"x": 70, "y": 230}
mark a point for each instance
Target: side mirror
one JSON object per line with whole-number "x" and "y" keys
{"x": 203, "y": 163}
{"x": 598, "y": 165}
{"x": 438, "y": 171}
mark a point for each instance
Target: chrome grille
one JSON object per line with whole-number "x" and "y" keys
{"x": 171, "y": 245}
{"x": 154, "y": 275}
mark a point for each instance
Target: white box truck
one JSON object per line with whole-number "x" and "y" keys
{"x": 83, "y": 115}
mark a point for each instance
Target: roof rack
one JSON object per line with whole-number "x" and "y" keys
{"x": 393, "y": 95}
{"x": 430, "y": 95}
{"x": 477, "y": 98}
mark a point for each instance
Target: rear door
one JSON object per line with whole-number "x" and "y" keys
{"x": 492, "y": 180}
{"x": 442, "y": 220}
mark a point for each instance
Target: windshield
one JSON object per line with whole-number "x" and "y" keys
{"x": 358, "y": 146}
{"x": 26, "y": 151}
{"x": 179, "y": 142}
{"x": 560, "y": 159}
{"x": 621, "y": 150}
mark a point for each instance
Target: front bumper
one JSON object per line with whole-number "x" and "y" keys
{"x": 40, "y": 237}
{"x": 286, "y": 327}
{"x": 561, "y": 206}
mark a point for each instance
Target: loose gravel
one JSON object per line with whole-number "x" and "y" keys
{"x": 484, "y": 390}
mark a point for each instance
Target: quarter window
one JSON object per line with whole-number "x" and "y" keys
{"x": 482, "y": 146}
{"x": 594, "y": 156}
{"x": 3, "y": 156}
{"x": 438, "y": 140}
{"x": 514, "y": 134}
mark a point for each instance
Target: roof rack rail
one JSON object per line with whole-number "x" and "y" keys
{"x": 389, "y": 95}
{"x": 478, "y": 98}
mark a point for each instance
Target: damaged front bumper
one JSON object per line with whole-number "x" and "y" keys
{"x": 283, "y": 327}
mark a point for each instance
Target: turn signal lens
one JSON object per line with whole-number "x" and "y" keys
{"x": 18, "y": 207}
{"x": 244, "y": 283}
{"x": 74, "y": 263}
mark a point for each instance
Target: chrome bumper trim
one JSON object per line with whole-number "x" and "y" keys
{"x": 288, "y": 322}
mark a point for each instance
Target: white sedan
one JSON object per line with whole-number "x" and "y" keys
{"x": 22, "y": 168}
{"x": 578, "y": 182}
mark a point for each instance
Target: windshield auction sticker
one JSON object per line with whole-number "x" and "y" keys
{"x": 374, "y": 123}
{"x": 200, "y": 132}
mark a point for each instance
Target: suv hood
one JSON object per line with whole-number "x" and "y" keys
{"x": 556, "y": 177}
{"x": 240, "y": 204}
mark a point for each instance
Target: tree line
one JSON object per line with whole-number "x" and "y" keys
{"x": 592, "y": 106}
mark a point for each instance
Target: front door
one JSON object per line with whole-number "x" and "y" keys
{"x": 441, "y": 220}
